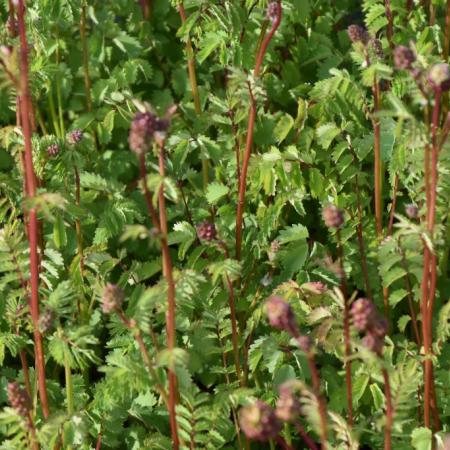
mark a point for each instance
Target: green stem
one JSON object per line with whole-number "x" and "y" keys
{"x": 51, "y": 104}
{"x": 59, "y": 96}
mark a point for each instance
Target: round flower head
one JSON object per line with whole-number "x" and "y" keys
{"x": 439, "y": 77}
{"x": 112, "y": 298}
{"x": 75, "y": 136}
{"x": 357, "y": 34}
{"x": 377, "y": 48}
{"x": 46, "y": 320}
{"x": 288, "y": 406}
{"x": 141, "y": 131}
{"x": 333, "y": 216}
{"x": 273, "y": 11}
{"x": 53, "y": 150}
{"x": 363, "y": 313}
{"x": 412, "y": 211}
{"x": 259, "y": 422}
{"x": 404, "y": 57}
{"x": 280, "y": 315}
{"x": 207, "y": 232}
{"x": 18, "y": 398}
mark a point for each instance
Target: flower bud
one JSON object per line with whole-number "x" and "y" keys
{"x": 18, "y": 398}
{"x": 377, "y": 48}
{"x": 274, "y": 248}
{"x": 281, "y": 316}
{"x": 112, "y": 298}
{"x": 404, "y": 57}
{"x": 439, "y": 77}
{"x": 333, "y": 216}
{"x": 358, "y": 34}
{"x": 259, "y": 422}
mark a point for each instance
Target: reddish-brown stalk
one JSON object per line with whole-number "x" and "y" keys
{"x": 32, "y": 428}
{"x": 146, "y": 8}
{"x": 250, "y": 130}
{"x": 78, "y": 232}
{"x": 283, "y": 444}
{"x": 32, "y": 215}
{"x": 305, "y": 436}
{"x": 87, "y": 78}
{"x": 390, "y": 25}
{"x": 377, "y": 160}
{"x": 171, "y": 305}
{"x": 347, "y": 342}
{"x": 98, "y": 445}
{"x": 315, "y": 378}
{"x": 445, "y": 52}
{"x": 362, "y": 251}
{"x": 145, "y": 356}
{"x": 194, "y": 85}
{"x": 389, "y": 411}
{"x": 393, "y": 205}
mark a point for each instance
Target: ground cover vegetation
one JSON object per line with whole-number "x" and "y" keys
{"x": 224, "y": 225}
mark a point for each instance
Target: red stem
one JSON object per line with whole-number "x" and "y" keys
{"x": 389, "y": 411}
{"x": 305, "y": 436}
{"x": 377, "y": 160}
{"x": 283, "y": 444}
{"x": 32, "y": 216}
{"x": 393, "y": 206}
{"x": 348, "y": 364}
{"x": 390, "y": 26}
{"x": 98, "y": 446}
{"x": 170, "y": 318}
{"x": 250, "y": 131}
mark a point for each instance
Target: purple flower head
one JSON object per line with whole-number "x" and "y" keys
{"x": 259, "y": 421}
{"x": 141, "y": 131}
{"x": 75, "y": 136}
{"x": 112, "y": 298}
{"x": 439, "y": 77}
{"x": 363, "y": 313}
{"x": 412, "y": 211}
{"x": 53, "y": 150}
{"x": 404, "y": 57}
{"x": 273, "y": 11}
{"x": 206, "y": 231}
{"x": 358, "y": 34}
{"x": 281, "y": 316}
{"x": 333, "y": 216}
{"x": 288, "y": 406}
{"x": 18, "y": 398}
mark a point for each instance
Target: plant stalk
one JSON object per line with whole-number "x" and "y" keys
{"x": 389, "y": 411}
{"x": 32, "y": 215}
{"x": 170, "y": 318}
{"x": 250, "y": 131}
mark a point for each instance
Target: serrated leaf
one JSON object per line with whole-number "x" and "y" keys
{"x": 215, "y": 192}
{"x": 282, "y": 128}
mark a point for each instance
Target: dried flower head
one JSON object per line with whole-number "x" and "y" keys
{"x": 259, "y": 421}
{"x": 363, "y": 313}
{"x": 412, "y": 211}
{"x": 404, "y": 57}
{"x": 206, "y": 231}
{"x": 112, "y": 298}
{"x": 281, "y": 316}
{"x": 357, "y": 33}
{"x": 273, "y": 11}
{"x": 53, "y": 150}
{"x": 75, "y": 136}
{"x": 439, "y": 77}
{"x": 18, "y": 398}
{"x": 333, "y": 216}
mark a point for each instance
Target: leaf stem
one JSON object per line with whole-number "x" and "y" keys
{"x": 389, "y": 411}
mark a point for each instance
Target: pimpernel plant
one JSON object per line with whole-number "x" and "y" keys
{"x": 224, "y": 225}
